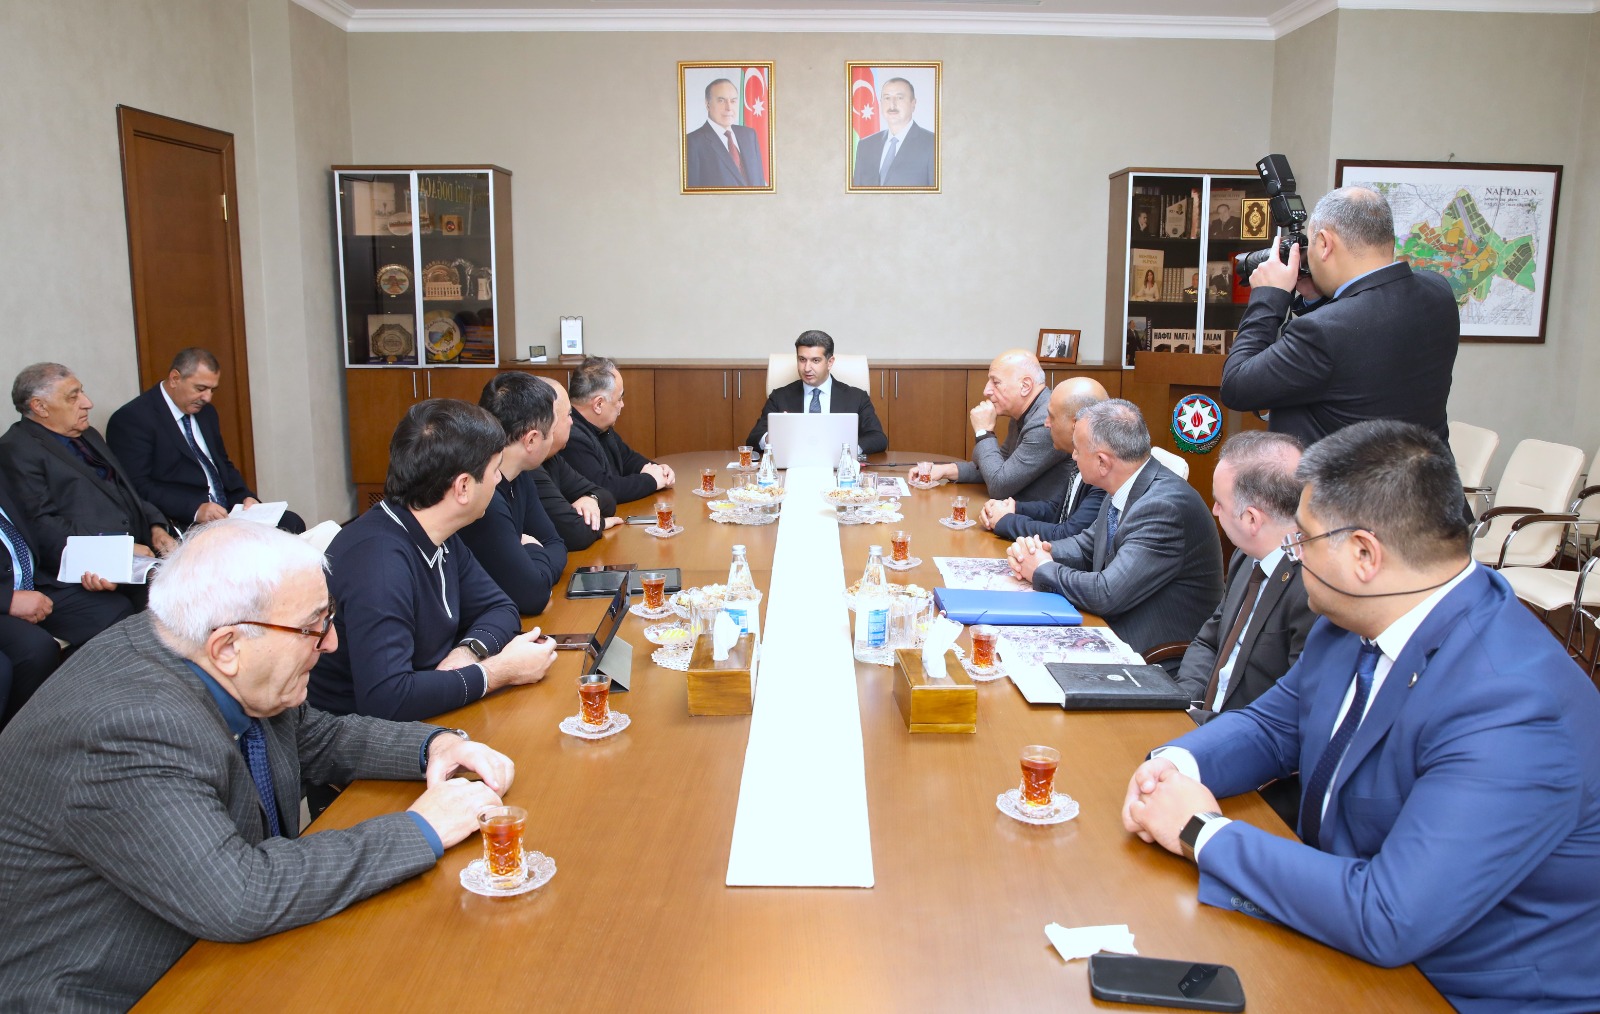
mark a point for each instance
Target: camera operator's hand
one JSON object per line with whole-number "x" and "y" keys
{"x": 1274, "y": 273}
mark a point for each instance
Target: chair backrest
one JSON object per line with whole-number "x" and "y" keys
{"x": 1540, "y": 475}
{"x": 782, "y": 369}
{"x": 1172, "y": 461}
{"x": 1472, "y": 447}
{"x": 1589, "y": 510}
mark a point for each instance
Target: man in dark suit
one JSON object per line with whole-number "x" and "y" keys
{"x": 152, "y": 789}
{"x": 170, "y": 439}
{"x": 66, "y": 479}
{"x": 35, "y": 609}
{"x": 901, "y": 154}
{"x": 722, "y": 153}
{"x": 1450, "y": 811}
{"x": 818, "y": 390}
{"x": 1150, "y": 564}
{"x": 1381, "y": 345}
{"x": 594, "y": 448}
{"x": 581, "y": 510}
{"x": 1076, "y": 510}
{"x": 1026, "y": 465}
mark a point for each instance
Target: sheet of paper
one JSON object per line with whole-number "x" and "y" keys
{"x": 1081, "y": 941}
{"x": 109, "y": 556}
{"x": 1025, "y": 650}
{"x": 268, "y": 514}
{"x": 321, "y": 535}
{"x": 985, "y": 574}
{"x": 572, "y": 336}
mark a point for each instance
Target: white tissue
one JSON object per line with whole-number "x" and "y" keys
{"x": 1082, "y": 941}
{"x": 724, "y": 634}
{"x": 942, "y": 634}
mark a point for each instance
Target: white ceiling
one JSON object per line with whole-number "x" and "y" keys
{"x": 1206, "y": 19}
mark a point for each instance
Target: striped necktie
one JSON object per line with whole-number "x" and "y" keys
{"x": 20, "y": 547}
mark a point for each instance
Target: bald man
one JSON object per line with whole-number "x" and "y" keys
{"x": 1027, "y": 465}
{"x": 1080, "y": 505}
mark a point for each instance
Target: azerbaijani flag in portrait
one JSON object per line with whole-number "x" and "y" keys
{"x": 754, "y": 114}
{"x": 863, "y": 110}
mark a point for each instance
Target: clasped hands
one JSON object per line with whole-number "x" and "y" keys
{"x": 1026, "y": 554}
{"x": 1160, "y": 801}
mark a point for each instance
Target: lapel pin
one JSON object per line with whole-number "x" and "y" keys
{"x": 1413, "y": 680}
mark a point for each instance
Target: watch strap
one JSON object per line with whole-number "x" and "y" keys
{"x": 1189, "y": 837}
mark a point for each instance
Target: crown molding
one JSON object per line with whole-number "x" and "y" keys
{"x": 1293, "y": 15}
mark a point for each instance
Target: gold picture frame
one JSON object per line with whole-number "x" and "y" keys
{"x": 903, "y": 156}
{"x": 736, "y": 97}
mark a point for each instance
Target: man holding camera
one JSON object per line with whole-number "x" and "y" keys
{"x": 1369, "y": 338}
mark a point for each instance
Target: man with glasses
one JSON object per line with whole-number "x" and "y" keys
{"x": 1446, "y": 744}
{"x": 152, "y": 788}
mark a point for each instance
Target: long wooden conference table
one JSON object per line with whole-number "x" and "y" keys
{"x": 638, "y": 916}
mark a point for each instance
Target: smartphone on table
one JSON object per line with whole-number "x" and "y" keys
{"x": 1159, "y": 982}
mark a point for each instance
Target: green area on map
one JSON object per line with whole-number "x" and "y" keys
{"x": 1465, "y": 249}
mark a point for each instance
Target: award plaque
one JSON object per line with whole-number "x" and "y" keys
{"x": 391, "y": 337}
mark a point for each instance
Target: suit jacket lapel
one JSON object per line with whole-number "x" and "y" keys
{"x": 1100, "y": 533}
{"x": 1271, "y": 592}
{"x": 48, "y": 441}
{"x": 1141, "y": 484}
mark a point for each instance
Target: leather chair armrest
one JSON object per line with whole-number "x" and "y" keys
{"x": 1528, "y": 521}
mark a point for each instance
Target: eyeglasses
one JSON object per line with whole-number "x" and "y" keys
{"x": 321, "y": 634}
{"x": 1294, "y": 543}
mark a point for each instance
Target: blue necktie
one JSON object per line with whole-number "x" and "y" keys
{"x": 255, "y": 755}
{"x": 816, "y": 400}
{"x": 889, "y": 152}
{"x": 213, "y": 477}
{"x": 1317, "y": 787}
{"x": 20, "y": 547}
{"x": 1112, "y": 514}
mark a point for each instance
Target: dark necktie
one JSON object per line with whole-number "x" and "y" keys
{"x": 816, "y": 400}
{"x": 733, "y": 149}
{"x": 1112, "y": 515}
{"x": 101, "y": 466}
{"x": 1317, "y": 787}
{"x": 255, "y": 755}
{"x": 20, "y": 547}
{"x": 213, "y": 477}
{"x": 890, "y": 151}
{"x": 1066, "y": 501}
{"x": 1251, "y": 589}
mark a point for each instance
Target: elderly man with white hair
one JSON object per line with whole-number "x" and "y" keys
{"x": 152, "y": 786}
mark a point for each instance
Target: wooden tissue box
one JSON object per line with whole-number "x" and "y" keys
{"x": 939, "y": 705}
{"x": 721, "y": 688}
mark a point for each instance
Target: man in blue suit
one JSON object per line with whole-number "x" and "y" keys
{"x": 722, "y": 153}
{"x": 1446, "y": 746}
{"x": 901, "y": 154}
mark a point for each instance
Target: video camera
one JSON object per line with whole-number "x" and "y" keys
{"x": 1288, "y": 213}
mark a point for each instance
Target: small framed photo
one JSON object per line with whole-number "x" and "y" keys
{"x": 892, "y": 127}
{"x": 725, "y": 125}
{"x": 1058, "y": 346}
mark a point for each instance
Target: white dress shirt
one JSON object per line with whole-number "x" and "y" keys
{"x": 1268, "y": 564}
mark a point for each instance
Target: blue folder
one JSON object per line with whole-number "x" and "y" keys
{"x": 1007, "y": 608}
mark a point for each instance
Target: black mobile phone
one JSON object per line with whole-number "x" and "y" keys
{"x": 1130, "y": 978}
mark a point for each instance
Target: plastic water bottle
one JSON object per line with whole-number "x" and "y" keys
{"x": 767, "y": 474}
{"x": 847, "y": 471}
{"x": 872, "y": 611}
{"x": 741, "y": 598}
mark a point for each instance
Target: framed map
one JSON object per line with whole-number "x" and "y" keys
{"x": 1489, "y": 228}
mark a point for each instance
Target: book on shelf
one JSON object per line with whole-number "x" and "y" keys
{"x": 1224, "y": 213}
{"x": 1172, "y": 285}
{"x": 1146, "y": 223}
{"x": 1219, "y": 281}
{"x": 1136, "y": 338}
{"x": 1211, "y": 341}
{"x": 1144, "y": 274}
{"x": 1255, "y": 219}
{"x": 1175, "y": 216}
{"x": 1194, "y": 213}
{"x": 1172, "y": 339}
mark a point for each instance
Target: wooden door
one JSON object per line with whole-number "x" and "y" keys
{"x": 183, "y": 253}
{"x": 694, "y": 411}
{"x": 927, "y": 406}
{"x": 749, "y": 396}
{"x": 377, "y": 398}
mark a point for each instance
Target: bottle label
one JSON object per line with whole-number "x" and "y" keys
{"x": 741, "y": 617}
{"x": 877, "y": 628}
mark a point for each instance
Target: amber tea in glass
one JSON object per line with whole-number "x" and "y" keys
{"x": 744, "y": 456}
{"x": 983, "y": 640}
{"x": 708, "y": 480}
{"x": 593, "y": 693}
{"x": 655, "y": 585}
{"x": 501, "y": 828}
{"x": 1038, "y": 774}
{"x": 958, "y": 509}
{"x": 664, "y": 515}
{"x": 900, "y": 546}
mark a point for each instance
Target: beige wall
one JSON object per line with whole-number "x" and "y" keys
{"x": 588, "y": 123}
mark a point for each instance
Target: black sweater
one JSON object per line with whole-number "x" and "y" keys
{"x": 527, "y": 573}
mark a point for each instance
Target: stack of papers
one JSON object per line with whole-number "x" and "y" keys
{"x": 108, "y": 556}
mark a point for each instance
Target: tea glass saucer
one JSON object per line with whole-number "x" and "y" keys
{"x": 706, "y": 496}
{"x": 953, "y": 525}
{"x": 541, "y": 868}
{"x": 918, "y": 484}
{"x": 640, "y": 611}
{"x": 910, "y": 563}
{"x": 615, "y": 722}
{"x": 658, "y": 533}
{"x": 989, "y": 675}
{"x": 1061, "y": 808}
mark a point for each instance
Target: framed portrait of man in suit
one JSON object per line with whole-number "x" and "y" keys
{"x": 1058, "y": 346}
{"x": 892, "y": 127}
{"x": 726, "y": 121}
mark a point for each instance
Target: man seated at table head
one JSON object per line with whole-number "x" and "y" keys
{"x": 152, "y": 789}
{"x": 818, "y": 390}
{"x": 67, "y": 480}
{"x": 581, "y": 510}
{"x": 423, "y": 628}
{"x": 1150, "y": 564}
{"x": 1080, "y": 502}
{"x": 515, "y": 540}
{"x": 170, "y": 439}
{"x": 1446, "y": 746}
{"x": 1027, "y": 464}
{"x": 594, "y": 448}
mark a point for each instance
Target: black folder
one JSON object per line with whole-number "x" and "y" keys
{"x": 1099, "y": 687}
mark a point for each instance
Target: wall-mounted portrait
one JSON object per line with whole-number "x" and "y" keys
{"x": 892, "y": 127}
{"x": 726, "y": 121}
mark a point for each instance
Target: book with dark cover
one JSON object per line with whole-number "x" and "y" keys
{"x": 1101, "y": 687}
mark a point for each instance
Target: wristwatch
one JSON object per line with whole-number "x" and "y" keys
{"x": 981, "y": 434}
{"x": 1191, "y": 831}
{"x": 479, "y": 650}
{"x": 427, "y": 744}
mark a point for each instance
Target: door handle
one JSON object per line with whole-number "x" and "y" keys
{"x": 413, "y": 385}
{"x": 430, "y": 383}
{"x": 738, "y": 385}
{"x": 897, "y": 385}
{"x": 724, "y": 385}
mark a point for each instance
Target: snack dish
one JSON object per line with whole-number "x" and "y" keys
{"x": 668, "y": 635}
{"x": 757, "y": 496}
{"x": 850, "y": 496}
{"x": 707, "y": 594}
{"x": 909, "y": 591}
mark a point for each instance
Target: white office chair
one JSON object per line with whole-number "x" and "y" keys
{"x": 1472, "y": 447}
{"x": 1547, "y": 590}
{"x": 1531, "y": 507}
{"x": 1173, "y": 461}
{"x": 782, "y": 369}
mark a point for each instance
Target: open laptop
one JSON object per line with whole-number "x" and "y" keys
{"x": 801, "y": 439}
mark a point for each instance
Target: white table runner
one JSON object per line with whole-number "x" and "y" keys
{"x": 802, "y": 817}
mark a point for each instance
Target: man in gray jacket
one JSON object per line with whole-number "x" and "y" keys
{"x": 152, "y": 789}
{"x": 1026, "y": 465}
